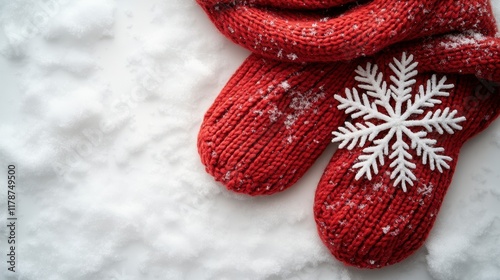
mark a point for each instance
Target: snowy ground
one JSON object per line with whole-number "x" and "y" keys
{"x": 100, "y": 106}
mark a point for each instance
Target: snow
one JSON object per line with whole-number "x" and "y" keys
{"x": 386, "y": 229}
{"x": 101, "y": 103}
{"x": 468, "y": 38}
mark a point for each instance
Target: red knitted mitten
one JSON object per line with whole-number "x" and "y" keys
{"x": 267, "y": 126}
{"x": 273, "y": 119}
{"x": 315, "y": 30}
{"x": 382, "y": 190}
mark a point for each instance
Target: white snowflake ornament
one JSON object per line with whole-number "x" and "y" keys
{"x": 395, "y": 121}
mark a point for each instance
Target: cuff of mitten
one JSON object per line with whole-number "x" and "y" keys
{"x": 321, "y": 31}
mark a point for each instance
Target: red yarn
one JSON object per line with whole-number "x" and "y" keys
{"x": 273, "y": 119}
{"x": 266, "y": 128}
{"x": 322, "y": 31}
{"x": 371, "y": 224}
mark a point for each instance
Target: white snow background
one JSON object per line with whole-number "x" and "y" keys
{"x": 101, "y": 102}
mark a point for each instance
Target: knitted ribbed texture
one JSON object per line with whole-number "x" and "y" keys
{"x": 266, "y": 128}
{"x": 284, "y": 4}
{"x": 273, "y": 119}
{"x": 322, "y": 31}
{"x": 371, "y": 223}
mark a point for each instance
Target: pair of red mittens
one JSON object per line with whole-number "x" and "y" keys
{"x": 401, "y": 117}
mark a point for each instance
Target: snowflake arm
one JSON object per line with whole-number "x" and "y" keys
{"x": 440, "y": 120}
{"x": 402, "y": 163}
{"x": 358, "y": 133}
{"x": 372, "y": 81}
{"x": 358, "y": 106}
{"x": 368, "y": 161}
{"x": 425, "y": 148}
{"x": 426, "y": 96}
{"x": 404, "y": 72}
